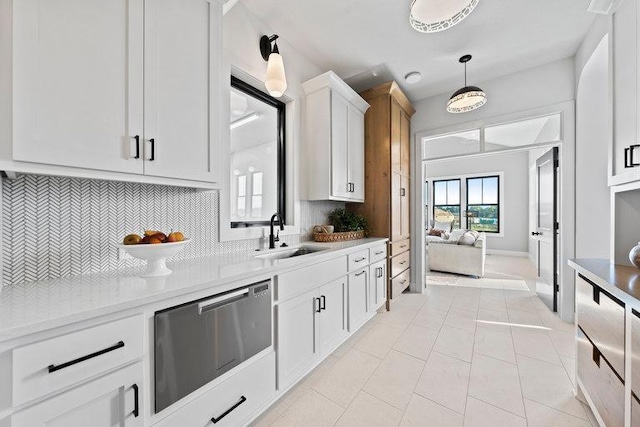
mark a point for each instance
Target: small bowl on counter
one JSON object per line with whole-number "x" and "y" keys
{"x": 156, "y": 255}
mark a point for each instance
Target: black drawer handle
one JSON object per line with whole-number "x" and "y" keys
{"x": 402, "y": 282}
{"x": 319, "y": 309}
{"x": 53, "y": 368}
{"x": 379, "y": 272}
{"x": 153, "y": 149}
{"x": 595, "y": 355}
{"x": 403, "y": 192}
{"x": 379, "y": 253}
{"x": 403, "y": 262}
{"x": 137, "y": 138}
{"x": 403, "y": 246}
{"x": 136, "y": 402}
{"x": 628, "y": 156}
{"x": 228, "y": 411}
{"x": 323, "y": 302}
{"x": 361, "y": 273}
{"x": 360, "y": 259}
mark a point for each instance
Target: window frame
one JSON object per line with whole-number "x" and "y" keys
{"x": 497, "y": 204}
{"x": 459, "y": 205}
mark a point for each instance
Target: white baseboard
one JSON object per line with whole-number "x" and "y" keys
{"x": 507, "y": 253}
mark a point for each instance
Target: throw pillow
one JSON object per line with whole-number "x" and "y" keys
{"x": 444, "y": 226}
{"x": 467, "y": 239}
{"x": 435, "y": 232}
{"x": 456, "y": 234}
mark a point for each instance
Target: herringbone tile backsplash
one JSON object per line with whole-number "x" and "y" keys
{"x": 57, "y": 227}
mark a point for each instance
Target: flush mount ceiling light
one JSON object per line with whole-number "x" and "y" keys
{"x": 275, "y": 81}
{"x": 431, "y": 16}
{"x": 469, "y": 97}
{"x": 413, "y": 77}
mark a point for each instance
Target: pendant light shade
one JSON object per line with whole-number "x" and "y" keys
{"x": 275, "y": 80}
{"x": 431, "y": 16}
{"x": 468, "y": 98}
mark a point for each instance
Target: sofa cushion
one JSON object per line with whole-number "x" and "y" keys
{"x": 456, "y": 234}
{"x": 467, "y": 238}
{"x": 444, "y": 226}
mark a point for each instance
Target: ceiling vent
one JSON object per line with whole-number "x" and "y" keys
{"x": 606, "y": 7}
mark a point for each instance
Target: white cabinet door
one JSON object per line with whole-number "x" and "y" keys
{"x": 355, "y": 154}
{"x": 332, "y": 318}
{"x": 77, "y": 83}
{"x": 297, "y": 331}
{"x": 358, "y": 298}
{"x": 625, "y": 92}
{"x": 177, "y": 80}
{"x": 378, "y": 284}
{"x": 339, "y": 147}
{"x": 112, "y": 400}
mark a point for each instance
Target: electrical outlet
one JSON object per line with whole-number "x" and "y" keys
{"x": 122, "y": 255}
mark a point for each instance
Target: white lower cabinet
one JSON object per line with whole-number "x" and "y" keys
{"x": 309, "y": 326}
{"x": 112, "y": 400}
{"x": 377, "y": 284}
{"x": 232, "y": 403}
{"x": 358, "y": 298}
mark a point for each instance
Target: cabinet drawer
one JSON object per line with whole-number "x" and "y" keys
{"x": 305, "y": 279}
{"x": 602, "y": 319}
{"x": 635, "y": 353}
{"x": 400, "y": 246}
{"x": 400, "y": 263}
{"x": 400, "y": 283}
{"x": 58, "y": 362}
{"x": 358, "y": 259}
{"x": 378, "y": 253}
{"x": 635, "y": 411}
{"x": 239, "y": 397}
{"x": 600, "y": 382}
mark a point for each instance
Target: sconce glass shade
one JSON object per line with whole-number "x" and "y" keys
{"x": 431, "y": 16}
{"x": 466, "y": 99}
{"x": 276, "y": 80}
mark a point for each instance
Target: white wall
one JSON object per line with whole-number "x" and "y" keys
{"x": 537, "y": 87}
{"x": 515, "y": 181}
{"x": 593, "y": 136}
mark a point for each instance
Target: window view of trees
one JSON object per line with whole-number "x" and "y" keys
{"x": 483, "y": 208}
{"x": 446, "y": 201}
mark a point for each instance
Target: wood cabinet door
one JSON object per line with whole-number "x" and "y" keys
{"x": 358, "y": 298}
{"x": 396, "y": 136}
{"x": 405, "y": 213}
{"x": 355, "y": 154}
{"x": 105, "y": 402}
{"x": 625, "y": 89}
{"x": 396, "y": 206}
{"x": 333, "y": 320}
{"x": 339, "y": 147}
{"x": 297, "y": 332}
{"x": 405, "y": 144}
{"x": 77, "y": 83}
{"x": 179, "y": 76}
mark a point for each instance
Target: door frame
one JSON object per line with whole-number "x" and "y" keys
{"x": 566, "y": 146}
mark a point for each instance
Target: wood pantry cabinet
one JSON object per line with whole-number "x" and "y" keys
{"x": 387, "y": 177}
{"x": 624, "y": 43}
{"x": 119, "y": 86}
{"x": 334, "y": 137}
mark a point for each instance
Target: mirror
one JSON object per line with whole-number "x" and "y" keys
{"x": 257, "y": 156}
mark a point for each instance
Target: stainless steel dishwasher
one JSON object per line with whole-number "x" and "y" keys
{"x": 200, "y": 340}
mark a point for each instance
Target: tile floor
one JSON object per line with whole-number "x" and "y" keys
{"x": 458, "y": 355}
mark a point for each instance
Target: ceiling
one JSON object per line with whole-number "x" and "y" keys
{"x": 370, "y": 41}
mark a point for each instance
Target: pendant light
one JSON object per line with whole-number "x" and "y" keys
{"x": 469, "y": 97}
{"x": 275, "y": 81}
{"x": 431, "y": 16}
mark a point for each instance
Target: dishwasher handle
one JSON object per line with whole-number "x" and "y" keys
{"x": 222, "y": 300}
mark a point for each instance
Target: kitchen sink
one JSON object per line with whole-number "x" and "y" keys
{"x": 292, "y": 252}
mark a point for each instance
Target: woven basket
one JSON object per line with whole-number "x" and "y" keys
{"x": 338, "y": 237}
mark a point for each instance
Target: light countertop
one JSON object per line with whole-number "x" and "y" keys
{"x": 621, "y": 281}
{"x": 37, "y": 306}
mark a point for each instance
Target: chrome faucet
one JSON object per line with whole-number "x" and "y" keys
{"x": 273, "y": 238}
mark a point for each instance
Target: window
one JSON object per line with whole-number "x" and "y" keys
{"x": 454, "y": 144}
{"x": 446, "y": 201}
{"x": 256, "y": 195}
{"x": 483, "y": 206}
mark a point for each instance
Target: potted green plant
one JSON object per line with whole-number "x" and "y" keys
{"x": 347, "y": 226}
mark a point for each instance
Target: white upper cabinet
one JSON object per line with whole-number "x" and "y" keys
{"x": 334, "y": 142}
{"x": 122, "y": 86}
{"x": 625, "y": 153}
{"x": 77, "y": 83}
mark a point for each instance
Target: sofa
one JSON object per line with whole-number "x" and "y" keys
{"x": 459, "y": 255}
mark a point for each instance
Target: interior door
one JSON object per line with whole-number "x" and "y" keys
{"x": 546, "y": 232}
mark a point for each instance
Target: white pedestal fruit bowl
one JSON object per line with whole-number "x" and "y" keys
{"x": 156, "y": 255}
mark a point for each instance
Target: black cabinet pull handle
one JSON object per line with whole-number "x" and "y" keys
{"x": 136, "y": 400}
{"x": 596, "y": 295}
{"x": 361, "y": 273}
{"x": 403, "y": 192}
{"x": 53, "y": 368}
{"x": 626, "y": 157}
{"x": 323, "y": 303}
{"x": 403, "y": 282}
{"x": 379, "y": 252}
{"x": 153, "y": 149}
{"x": 137, "y": 138}
{"x": 380, "y": 272}
{"x": 595, "y": 355}
{"x": 319, "y": 309}
{"x": 403, "y": 262}
{"x": 360, "y": 259}
{"x": 632, "y": 148}
{"x": 535, "y": 233}
{"x": 228, "y": 411}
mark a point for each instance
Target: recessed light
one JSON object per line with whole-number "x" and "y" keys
{"x": 413, "y": 77}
